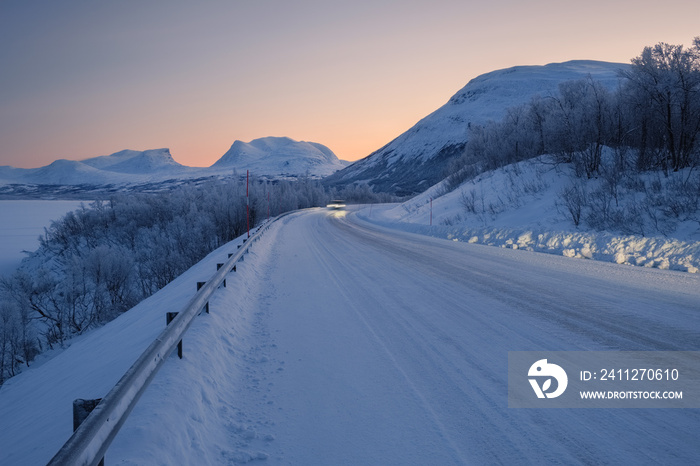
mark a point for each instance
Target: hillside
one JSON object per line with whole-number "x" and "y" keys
{"x": 419, "y": 158}
{"x": 520, "y": 206}
{"x": 137, "y": 162}
{"x": 124, "y": 167}
{"x": 267, "y": 157}
{"x": 280, "y": 156}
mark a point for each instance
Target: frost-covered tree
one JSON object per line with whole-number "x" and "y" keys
{"x": 664, "y": 88}
{"x": 102, "y": 259}
{"x": 580, "y": 124}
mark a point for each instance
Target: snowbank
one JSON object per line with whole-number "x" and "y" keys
{"x": 182, "y": 402}
{"x": 658, "y": 252}
{"x": 519, "y": 207}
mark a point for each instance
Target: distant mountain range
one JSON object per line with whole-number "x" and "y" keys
{"x": 271, "y": 156}
{"x": 419, "y": 158}
{"x": 408, "y": 165}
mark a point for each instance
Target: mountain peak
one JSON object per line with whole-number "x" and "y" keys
{"x": 280, "y": 156}
{"x": 135, "y": 162}
{"x": 418, "y": 158}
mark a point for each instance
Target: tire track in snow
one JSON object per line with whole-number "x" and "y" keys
{"x": 452, "y": 358}
{"x": 324, "y": 253}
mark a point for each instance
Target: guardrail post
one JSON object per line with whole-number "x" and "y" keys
{"x": 199, "y": 286}
{"x": 169, "y": 316}
{"x": 218, "y": 266}
{"x": 90, "y": 441}
{"x": 81, "y": 410}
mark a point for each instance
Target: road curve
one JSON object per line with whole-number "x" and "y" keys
{"x": 382, "y": 347}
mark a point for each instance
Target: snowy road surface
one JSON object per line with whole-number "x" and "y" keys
{"x": 338, "y": 342}
{"x": 379, "y": 347}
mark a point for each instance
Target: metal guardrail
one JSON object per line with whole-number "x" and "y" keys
{"x": 88, "y": 444}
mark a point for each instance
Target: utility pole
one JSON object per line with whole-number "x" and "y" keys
{"x": 247, "y": 204}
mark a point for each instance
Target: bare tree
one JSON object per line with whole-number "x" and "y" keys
{"x": 665, "y": 82}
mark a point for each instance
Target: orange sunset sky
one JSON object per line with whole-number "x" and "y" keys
{"x": 80, "y": 79}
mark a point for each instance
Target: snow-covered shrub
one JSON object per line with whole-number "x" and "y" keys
{"x": 573, "y": 199}
{"x": 99, "y": 261}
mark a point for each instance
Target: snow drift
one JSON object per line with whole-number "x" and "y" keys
{"x": 519, "y": 207}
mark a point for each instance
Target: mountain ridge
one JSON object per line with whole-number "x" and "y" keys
{"x": 280, "y": 156}
{"x": 273, "y": 157}
{"x": 418, "y": 158}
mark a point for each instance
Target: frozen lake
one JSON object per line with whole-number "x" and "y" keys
{"x": 21, "y": 224}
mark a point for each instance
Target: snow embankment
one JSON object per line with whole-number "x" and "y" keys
{"x": 520, "y": 207}
{"x": 662, "y": 253}
{"x": 184, "y": 400}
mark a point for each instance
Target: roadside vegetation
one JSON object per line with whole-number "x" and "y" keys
{"x": 101, "y": 260}
{"x": 632, "y": 153}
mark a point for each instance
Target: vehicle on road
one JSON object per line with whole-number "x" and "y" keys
{"x": 336, "y": 204}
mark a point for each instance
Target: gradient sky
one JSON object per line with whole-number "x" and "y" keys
{"x": 80, "y": 78}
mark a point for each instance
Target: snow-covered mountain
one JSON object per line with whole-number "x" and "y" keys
{"x": 136, "y": 162}
{"x": 61, "y": 172}
{"x": 268, "y": 157}
{"x": 418, "y": 158}
{"x": 280, "y": 156}
{"x": 123, "y": 167}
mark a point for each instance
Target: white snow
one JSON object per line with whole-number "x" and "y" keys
{"x": 36, "y": 405}
{"x": 137, "y": 162}
{"x": 23, "y": 222}
{"x": 263, "y": 157}
{"x": 486, "y": 97}
{"x": 280, "y": 156}
{"x": 517, "y": 207}
{"x": 121, "y": 168}
{"x": 341, "y": 342}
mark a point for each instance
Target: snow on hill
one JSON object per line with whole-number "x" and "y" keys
{"x": 264, "y": 157}
{"x": 120, "y": 168}
{"x": 519, "y": 207}
{"x": 138, "y": 163}
{"x": 68, "y": 172}
{"x": 36, "y": 405}
{"x": 418, "y": 158}
{"x": 280, "y": 156}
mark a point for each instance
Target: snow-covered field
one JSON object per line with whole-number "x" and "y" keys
{"x": 21, "y": 225}
{"x": 339, "y": 341}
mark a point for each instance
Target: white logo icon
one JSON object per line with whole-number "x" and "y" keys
{"x": 543, "y": 369}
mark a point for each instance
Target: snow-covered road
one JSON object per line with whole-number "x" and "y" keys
{"x": 379, "y": 347}
{"x": 340, "y": 342}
